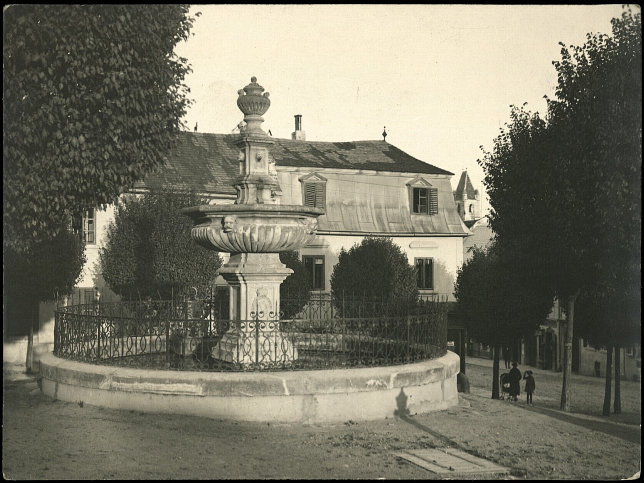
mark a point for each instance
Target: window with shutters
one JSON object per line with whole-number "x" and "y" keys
{"x": 425, "y": 201}
{"x": 423, "y": 197}
{"x": 314, "y": 191}
{"x": 425, "y": 273}
{"x": 315, "y": 195}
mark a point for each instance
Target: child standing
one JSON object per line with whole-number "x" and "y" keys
{"x": 529, "y": 385}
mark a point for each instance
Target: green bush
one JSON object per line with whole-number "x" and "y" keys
{"x": 149, "y": 251}
{"x": 47, "y": 270}
{"x": 296, "y": 288}
{"x": 374, "y": 278}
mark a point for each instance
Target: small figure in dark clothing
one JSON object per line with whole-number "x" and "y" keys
{"x": 506, "y": 356}
{"x": 515, "y": 381}
{"x": 529, "y": 385}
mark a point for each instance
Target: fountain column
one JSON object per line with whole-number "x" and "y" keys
{"x": 254, "y": 230}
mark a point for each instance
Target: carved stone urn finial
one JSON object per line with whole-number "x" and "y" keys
{"x": 254, "y": 105}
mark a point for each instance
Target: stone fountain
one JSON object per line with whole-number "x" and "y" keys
{"x": 254, "y": 230}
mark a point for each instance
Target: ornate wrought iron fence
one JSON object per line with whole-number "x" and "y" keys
{"x": 321, "y": 332}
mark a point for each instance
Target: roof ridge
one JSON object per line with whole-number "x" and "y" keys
{"x": 376, "y": 155}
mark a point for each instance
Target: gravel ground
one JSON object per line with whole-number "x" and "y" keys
{"x": 47, "y": 439}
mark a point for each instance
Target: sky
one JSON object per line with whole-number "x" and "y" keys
{"x": 441, "y": 78}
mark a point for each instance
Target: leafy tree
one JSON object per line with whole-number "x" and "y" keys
{"x": 296, "y": 288}
{"x": 149, "y": 251}
{"x": 378, "y": 269}
{"x": 599, "y": 101}
{"x": 93, "y": 96}
{"x": 568, "y": 188}
{"x": 45, "y": 271}
{"x": 610, "y": 321}
{"x": 499, "y": 303}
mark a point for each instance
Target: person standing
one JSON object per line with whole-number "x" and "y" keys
{"x": 515, "y": 381}
{"x": 529, "y": 386}
{"x": 506, "y": 356}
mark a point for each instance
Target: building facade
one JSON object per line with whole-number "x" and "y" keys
{"x": 366, "y": 188}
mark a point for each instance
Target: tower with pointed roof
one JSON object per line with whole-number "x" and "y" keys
{"x": 467, "y": 199}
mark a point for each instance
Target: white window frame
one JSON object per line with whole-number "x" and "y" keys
{"x": 431, "y": 194}
{"x": 87, "y": 229}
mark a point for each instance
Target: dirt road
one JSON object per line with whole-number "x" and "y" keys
{"x": 46, "y": 439}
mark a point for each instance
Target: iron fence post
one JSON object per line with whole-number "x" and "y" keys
{"x": 167, "y": 340}
{"x": 56, "y": 331}
{"x": 98, "y": 340}
{"x": 257, "y": 341}
{"x": 238, "y": 323}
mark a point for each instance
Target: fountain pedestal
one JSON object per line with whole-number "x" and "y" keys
{"x": 255, "y": 280}
{"x": 254, "y": 230}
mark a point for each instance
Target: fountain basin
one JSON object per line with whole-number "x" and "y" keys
{"x": 310, "y": 397}
{"x": 253, "y": 228}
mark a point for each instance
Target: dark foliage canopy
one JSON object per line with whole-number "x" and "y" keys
{"x": 296, "y": 288}
{"x": 498, "y": 302}
{"x": 47, "y": 270}
{"x": 375, "y": 268}
{"x": 608, "y": 320}
{"x": 92, "y": 96}
{"x": 149, "y": 250}
{"x": 568, "y": 188}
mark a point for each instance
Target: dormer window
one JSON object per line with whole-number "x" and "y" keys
{"x": 314, "y": 191}
{"x": 423, "y": 197}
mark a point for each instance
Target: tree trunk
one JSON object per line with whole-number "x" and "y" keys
{"x": 566, "y": 390}
{"x": 607, "y": 387}
{"x": 617, "y": 404}
{"x": 495, "y": 373}
{"x": 29, "y": 363}
{"x": 33, "y": 314}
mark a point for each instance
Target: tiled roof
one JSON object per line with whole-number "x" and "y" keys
{"x": 470, "y": 223}
{"x": 465, "y": 186}
{"x": 207, "y": 163}
{"x": 367, "y": 155}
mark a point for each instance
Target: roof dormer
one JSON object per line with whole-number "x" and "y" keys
{"x": 313, "y": 190}
{"x": 423, "y": 197}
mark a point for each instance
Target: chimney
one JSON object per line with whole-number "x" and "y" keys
{"x": 298, "y": 135}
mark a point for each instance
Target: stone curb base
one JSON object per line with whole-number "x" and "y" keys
{"x": 299, "y": 396}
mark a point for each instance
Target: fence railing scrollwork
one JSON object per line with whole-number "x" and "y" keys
{"x": 321, "y": 332}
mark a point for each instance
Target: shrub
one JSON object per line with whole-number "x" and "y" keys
{"x": 47, "y": 270}
{"x": 296, "y": 288}
{"x": 149, "y": 251}
{"x": 377, "y": 272}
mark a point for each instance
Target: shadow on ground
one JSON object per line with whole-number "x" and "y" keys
{"x": 628, "y": 433}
